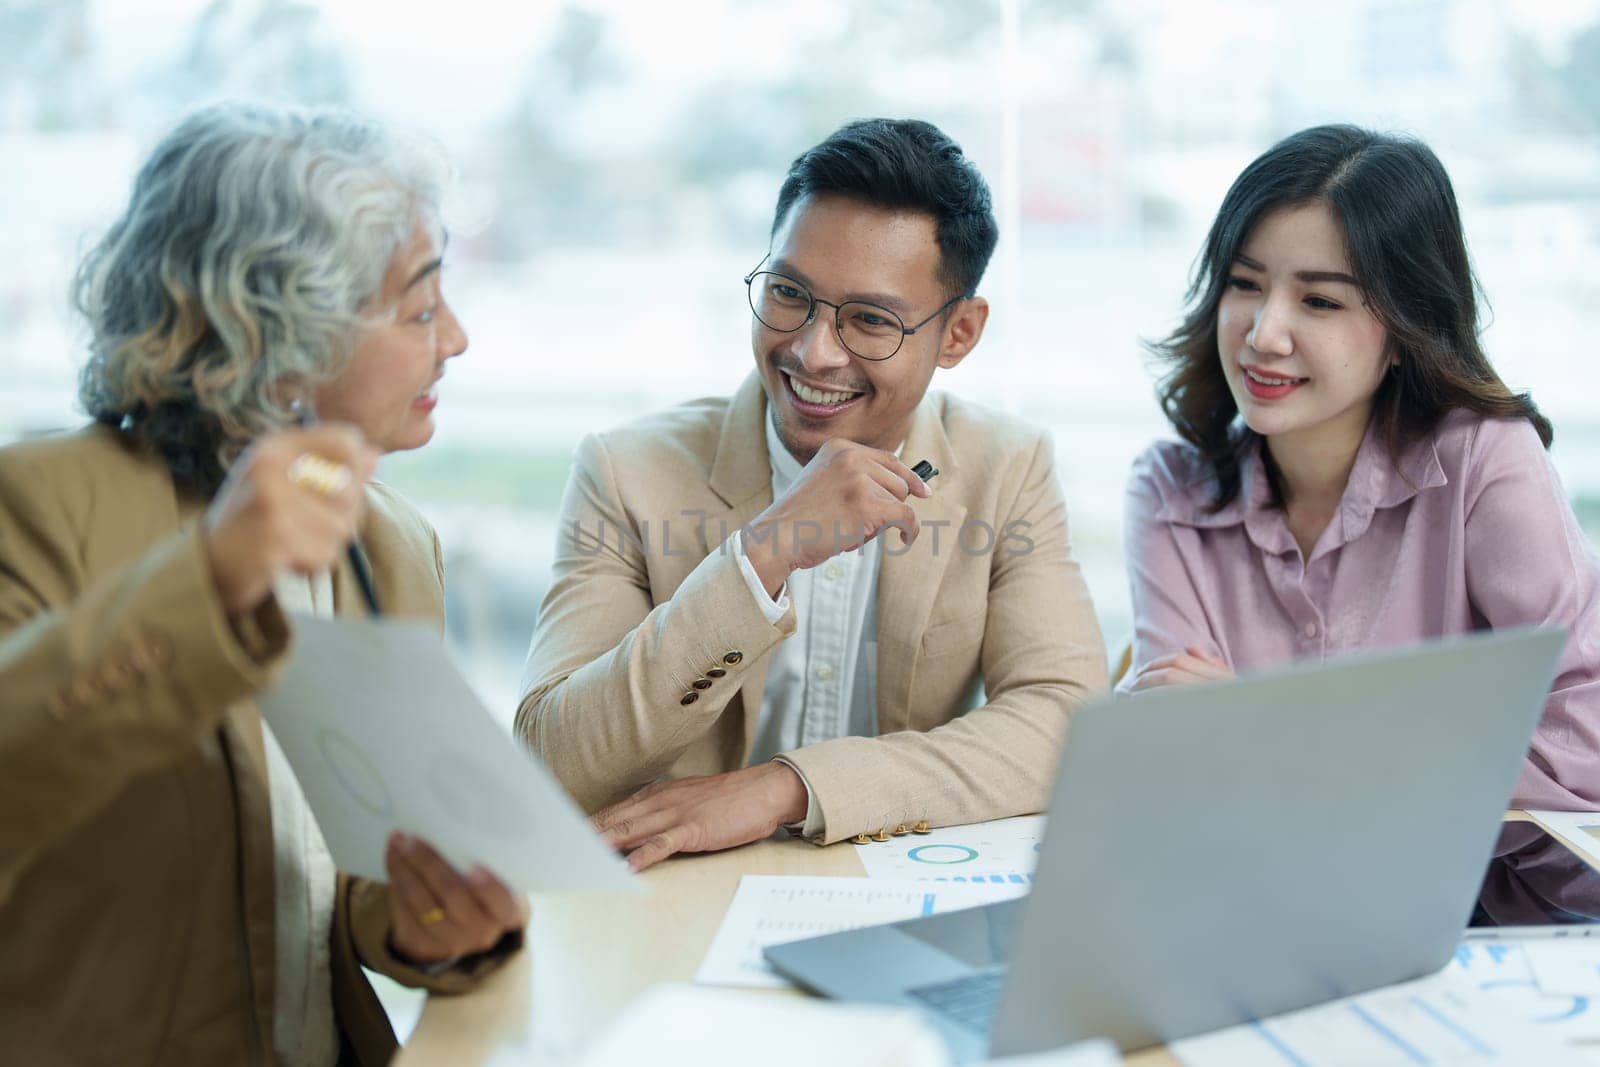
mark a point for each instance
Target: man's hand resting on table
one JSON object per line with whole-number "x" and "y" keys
{"x": 703, "y": 814}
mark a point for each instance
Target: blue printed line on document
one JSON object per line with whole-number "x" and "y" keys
{"x": 1272, "y": 1039}
{"x": 1451, "y": 1025}
{"x": 1394, "y": 1038}
{"x": 927, "y": 903}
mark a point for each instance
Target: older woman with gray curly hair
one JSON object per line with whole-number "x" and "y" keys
{"x": 165, "y": 895}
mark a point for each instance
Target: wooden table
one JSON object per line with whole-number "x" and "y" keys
{"x": 589, "y": 955}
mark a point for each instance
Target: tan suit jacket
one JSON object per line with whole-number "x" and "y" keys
{"x": 136, "y": 855}
{"x": 651, "y": 653}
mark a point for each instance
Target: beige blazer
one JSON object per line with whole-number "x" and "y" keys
{"x": 136, "y": 857}
{"x": 650, "y": 653}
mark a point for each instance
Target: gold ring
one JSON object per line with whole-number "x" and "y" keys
{"x": 431, "y": 917}
{"x": 318, "y": 474}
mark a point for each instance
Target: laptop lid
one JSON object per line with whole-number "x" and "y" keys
{"x": 1223, "y": 852}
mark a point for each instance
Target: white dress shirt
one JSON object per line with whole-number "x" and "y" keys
{"x": 304, "y": 1030}
{"x": 822, "y": 682}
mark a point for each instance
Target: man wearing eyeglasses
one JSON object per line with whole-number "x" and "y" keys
{"x": 760, "y": 616}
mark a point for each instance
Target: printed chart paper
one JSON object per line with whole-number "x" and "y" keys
{"x": 773, "y": 909}
{"x": 1502, "y": 973}
{"x": 1569, "y": 966}
{"x": 385, "y": 734}
{"x": 1431, "y": 1021}
{"x": 1003, "y": 852}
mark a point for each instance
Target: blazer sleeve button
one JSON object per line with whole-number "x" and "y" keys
{"x": 116, "y": 676}
{"x": 161, "y": 650}
{"x": 61, "y": 705}
{"x": 689, "y": 698}
{"x": 716, "y": 672}
{"x": 86, "y": 690}
{"x": 733, "y": 658}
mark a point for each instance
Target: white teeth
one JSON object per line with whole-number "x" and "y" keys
{"x": 816, "y": 396}
{"x": 1269, "y": 381}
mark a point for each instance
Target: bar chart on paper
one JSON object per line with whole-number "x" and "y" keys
{"x": 1003, "y": 852}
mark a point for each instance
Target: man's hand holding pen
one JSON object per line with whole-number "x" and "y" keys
{"x": 846, "y": 496}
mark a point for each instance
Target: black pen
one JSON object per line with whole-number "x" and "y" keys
{"x": 352, "y": 552}
{"x": 925, "y": 470}
{"x": 358, "y": 564}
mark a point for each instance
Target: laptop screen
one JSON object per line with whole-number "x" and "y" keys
{"x": 1536, "y": 880}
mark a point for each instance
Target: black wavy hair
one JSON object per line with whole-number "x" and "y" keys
{"x": 904, "y": 164}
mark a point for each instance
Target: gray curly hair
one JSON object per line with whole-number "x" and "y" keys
{"x": 237, "y": 277}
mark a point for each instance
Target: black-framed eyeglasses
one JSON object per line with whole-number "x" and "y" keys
{"x": 868, "y": 330}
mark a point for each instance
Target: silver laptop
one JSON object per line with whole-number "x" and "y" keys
{"x": 1219, "y": 853}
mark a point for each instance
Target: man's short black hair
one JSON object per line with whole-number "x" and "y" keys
{"x": 905, "y": 164}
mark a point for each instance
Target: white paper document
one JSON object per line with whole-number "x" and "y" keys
{"x": 1579, "y": 829}
{"x": 1003, "y": 852}
{"x": 1565, "y": 966}
{"x": 1502, "y": 972}
{"x": 385, "y": 734}
{"x": 1430, "y": 1021}
{"x": 773, "y": 909}
{"x": 689, "y": 1026}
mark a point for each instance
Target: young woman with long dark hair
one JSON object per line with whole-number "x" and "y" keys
{"x": 1353, "y": 473}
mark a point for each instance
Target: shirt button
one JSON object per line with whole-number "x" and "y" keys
{"x": 824, "y": 672}
{"x": 833, "y": 572}
{"x": 1311, "y": 629}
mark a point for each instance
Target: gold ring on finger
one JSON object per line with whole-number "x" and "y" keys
{"x": 320, "y": 475}
{"x": 431, "y": 917}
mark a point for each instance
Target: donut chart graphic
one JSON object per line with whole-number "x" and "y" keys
{"x": 943, "y": 854}
{"x": 1003, "y": 852}
{"x": 355, "y": 773}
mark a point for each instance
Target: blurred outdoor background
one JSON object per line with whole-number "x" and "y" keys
{"x": 618, "y": 163}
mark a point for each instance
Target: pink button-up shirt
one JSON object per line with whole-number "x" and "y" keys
{"x": 1472, "y": 532}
